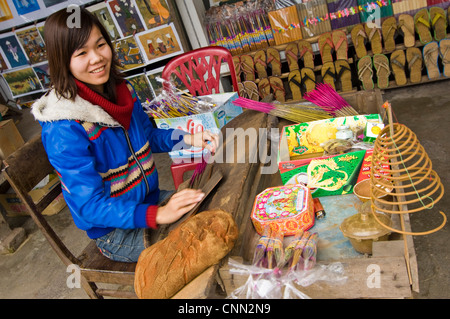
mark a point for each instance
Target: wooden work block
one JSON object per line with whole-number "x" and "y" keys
{"x": 10, "y": 138}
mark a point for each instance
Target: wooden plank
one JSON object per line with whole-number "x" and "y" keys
{"x": 366, "y": 278}
{"x": 200, "y": 286}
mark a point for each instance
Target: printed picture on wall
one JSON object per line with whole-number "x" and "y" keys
{"x": 49, "y": 3}
{"x": 33, "y": 44}
{"x": 5, "y": 11}
{"x": 13, "y": 51}
{"x": 159, "y": 43}
{"x": 22, "y": 82}
{"x": 154, "y": 77}
{"x": 3, "y": 63}
{"x": 103, "y": 14}
{"x": 40, "y": 28}
{"x": 43, "y": 74}
{"x": 26, "y": 6}
{"x": 141, "y": 86}
{"x": 127, "y": 16}
{"x": 128, "y": 53}
{"x": 154, "y": 12}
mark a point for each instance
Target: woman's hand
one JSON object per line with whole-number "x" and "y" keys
{"x": 204, "y": 139}
{"x": 179, "y": 204}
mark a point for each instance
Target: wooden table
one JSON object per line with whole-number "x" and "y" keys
{"x": 383, "y": 275}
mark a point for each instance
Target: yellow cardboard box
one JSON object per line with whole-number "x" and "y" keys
{"x": 14, "y": 206}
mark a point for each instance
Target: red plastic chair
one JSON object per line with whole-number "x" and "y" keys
{"x": 199, "y": 70}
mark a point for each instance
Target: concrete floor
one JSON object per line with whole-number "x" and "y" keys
{"x": 34, "y": 270}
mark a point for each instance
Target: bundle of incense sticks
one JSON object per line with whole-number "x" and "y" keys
{"x": 174, "y": 102}
{"x": 330, "y": 101}
{"x": 298, "y": 113}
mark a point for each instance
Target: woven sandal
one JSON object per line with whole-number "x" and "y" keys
{"x": 308, "y": 79}
{"x": 237, "y": 67}
{"x": 398, "y": 61}
{"x": 438, "y": 22}
{"x": 365, "y": 72}
{"x": 406, "y": 26}
{"x": 422, "y": 26}
{"x": 294, "y": 80}
{"x": 389, "y": 29}
{"x": 273, "y": 59}
{"x": 444, "y": 50}
{"x": 252, "y": 90}
{"x": 359, "y": 38}
{"x": 375, "y": 39}
{"x": 242, "y": 92}
{"x": 326, "y": 46}
{"x": 415, "y": 64}
{"x": 248, "y": 67}
{"x": 381, "y": 65}
{"x": 264, "y": 88}
{"x": 306, "y": 54}
{"x": 260, "y": 64}
{"x": 329, "y": 74}
{"x": 292, "y": 56}
{"x": 340, "y": 44}
{"x": 277, "y": 88}
{"x": 430, "y": 58}
{"x": 344, "y": 75}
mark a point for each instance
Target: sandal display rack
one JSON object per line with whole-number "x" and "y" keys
{"x": 402, "y": 57}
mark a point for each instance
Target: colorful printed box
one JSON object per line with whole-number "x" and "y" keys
{"x": 285, "y": 208}
{"x": 214, "y": 120}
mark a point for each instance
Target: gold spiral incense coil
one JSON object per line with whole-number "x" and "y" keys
{"x": 409, "y": 178}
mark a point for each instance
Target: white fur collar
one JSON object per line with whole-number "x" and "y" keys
{"x": 50, "y": 108}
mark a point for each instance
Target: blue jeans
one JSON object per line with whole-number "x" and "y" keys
{"x": 125, "y": 244}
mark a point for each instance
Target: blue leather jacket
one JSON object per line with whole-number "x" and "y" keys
{"x": 107, "y": 172}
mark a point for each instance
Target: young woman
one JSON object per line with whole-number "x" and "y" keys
{"x": 100, "y": 141}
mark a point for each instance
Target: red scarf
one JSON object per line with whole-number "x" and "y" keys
{"x": 121, "y": 111}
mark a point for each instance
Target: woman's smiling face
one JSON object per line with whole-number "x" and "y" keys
{"x": 91, "y": 63}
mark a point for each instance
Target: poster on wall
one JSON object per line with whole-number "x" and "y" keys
{"x": 33, "y": 44}
{"x": 159, "y": 43}
{"x": 154, "y": 12}
{"x": 12, "y": 50}
{"x": 127, "y": 17}
{"x": 141, "y": 86}
{"x": 43, "y": 74}
{"x": 102, "y": 12}
{"x": 22, "y": 82}
{"x": 128, "y": 53}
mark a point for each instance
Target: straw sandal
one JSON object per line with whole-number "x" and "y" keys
{"x": 292, "y": 56}
{"x": 415, "y": 64}
{"x": 406, "y": 26}
{"x": 308, "y": 79}
{"x": 374, "y": 37}
{"x": 444, "y": 49}
{"x": 398, "y": 61}
{"x": 260, "y": 64}
{"x": 252, "y": 90}
{"x": 365, "y": 72}
{"x": 273, "y": 59}
{"x": 422, "y": 26}
{"x": 237, "y": 67}
{"x": 242, "y": 92}
{"x": 326, "y": 46}
{"x": 359, "y": 38}
{"x": 430, "y": 58}
{"x": 344, "y": 75}
{"x": 329, "y": 74}
{"x": 438, "y": 22}
{"x": 248, "y": 67}
{"x": 264, "y": 88}
{"x": 381, "y": 64}
{"x": 340, "y": 44}
{"x": 294, "y": 80}
{"x": 306, "y": 54}
{"x": 389, "y": 29}
{"x": 277, "y": 88}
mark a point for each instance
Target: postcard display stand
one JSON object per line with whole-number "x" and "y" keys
{"x": 145, "y": 33}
